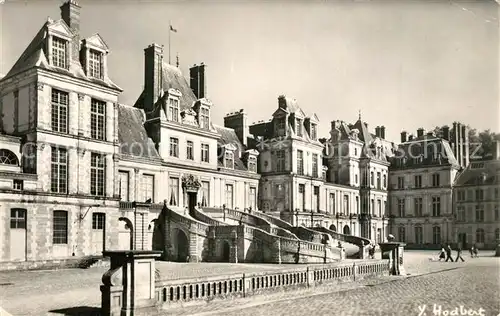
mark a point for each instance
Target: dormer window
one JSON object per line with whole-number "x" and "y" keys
{"x": 204, "y": 120}
{"x": 229, "y": 159}
{"x": 280, "y": 126}
{"x": 95, "y": 64}
{"x": 59, "y": 52}
{"x": 252, "y": 164}
{"x": 314, "y": 133}
{"x": 173, "y": 109}
{"x": 298, "y": 129}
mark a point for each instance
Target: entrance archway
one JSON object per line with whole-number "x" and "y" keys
{"x": 347, "y": 230}
{"x": 225, "y": 251}
{"x": 182, "y": 246}
{"x": 333, "y": 228}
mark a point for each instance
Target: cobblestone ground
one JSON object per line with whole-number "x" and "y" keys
{"x": 474, "y": 284}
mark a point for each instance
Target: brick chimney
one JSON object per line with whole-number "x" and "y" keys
{"x": 153, "y": 66}
{"x": 70, "y": 13}
{"x": 377, "y": 131}
{"x": 382, "y": 132}
{"x": 198, "y": 81}
{"x": 403, "y": 136}
{"x": 465, "y": 146}
{"x": 420, "y": 132}
{"x": 239, "y": 122}
{"x": 446, "y": 132}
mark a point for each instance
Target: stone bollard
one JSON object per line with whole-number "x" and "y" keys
{"x": 129, "y": 285}
{"x": 394, "y": 252}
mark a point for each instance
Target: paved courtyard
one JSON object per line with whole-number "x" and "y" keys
{"x": 474, "y": 284}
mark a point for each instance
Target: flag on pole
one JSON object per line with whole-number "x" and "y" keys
{"x": 172, "y": 29}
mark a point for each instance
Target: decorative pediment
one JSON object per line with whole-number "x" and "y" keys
{"x": 314, "y": 118}
{"x": 252, "y": 152}
{"x": 96, "y": 42}
{"x": 300, "y": 114}
{"x": 230, "y": 147}
{"x": 280, "y": 112}
{"x": 174, "y": 92}
{"x": 206, "y": 102}
{"x": 60, "y": 29}
{"x": 189, "y": 117}
{"x": 191, "y": 183}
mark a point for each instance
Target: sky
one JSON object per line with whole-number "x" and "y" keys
{"x": 401, "y": 64}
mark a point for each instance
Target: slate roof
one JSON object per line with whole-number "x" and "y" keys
{"x": 486, "y": 172}
{"x": 364, "y": 135}
{"x": 131, "y": 131}
{"x": 34, "y": 56}
{"x": 172, "y": 78}
{"x": 228, "y": 136}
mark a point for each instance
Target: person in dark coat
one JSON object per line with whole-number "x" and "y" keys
{"x": 459, "y": 253}
{"x": 448, "y": 253}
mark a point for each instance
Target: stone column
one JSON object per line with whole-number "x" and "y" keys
{"x": 141, "y": 212}
{"x": 129, "y": 285}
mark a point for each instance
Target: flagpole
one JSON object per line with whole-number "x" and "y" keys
{"x": 169, "y": 34}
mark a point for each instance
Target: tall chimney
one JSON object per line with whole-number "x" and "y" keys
{"x": 153, "y": 67}
{"x": 403, "y": 136}
{"x": 198, "y": 81}
{"x": 496, "y": 150}
{"x": 446, "y": 132}
{"x": 465, "y": 152}
{"x": 382, "y": 132}
{"x": 239, "y": 122}
{"x": 410, "y": 138}
{"x": 420, "y": 132}
{"x": 377, "y": 131}
{"x": 456, "y": 145}
{"x": 70, "y": 13}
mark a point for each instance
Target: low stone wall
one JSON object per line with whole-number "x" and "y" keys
{"x": 180, "y": 292}
{"x": 66, "y": 263}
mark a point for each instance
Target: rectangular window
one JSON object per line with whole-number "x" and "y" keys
{"x": 298, "y": 128}
{"x": 59, "y": 170}
{"x": 204, "y": 117}
{"x": 98, "y": 119}
{"x": 204, "y": 153}
{"x": 314, "y": 134}
{"x": 332, "y": 203}
{"x": 379, "y": 181}
{"x": 315, "y": 200}
{"x": 205, "y": 193}
{"x": 59, "y": 102}
{"x": 253, "y": 198}
{"x": 252, "y": 164}
{"x": 346, "y": 205}
{"x": 280, "y": 127}
{"x": 174, "y": 191}
{"x": 97, "y": 174}
{"x": 315, "y": 165}
{"x": 189, "y": 150}
{"x": 418, "y": 235}
{"x": 460, "y": 214}
{"x": 401, "y": 182}
{"x": 174, "y": 147}
{"x": 280, "y": 161}
{"x": 496, "y": 193}
{"x": 435, "y": 180}
{"x": 98, "y": 221}
{"x": 436, "y": 206}
{"x": 60, "y": 227}
{"x": 436, "y": 235}
{"x": 229, "y": 196}
{"x": 496, "y": 213}
{"x": 379, "y": 208}
{"x": 59, "y": 53}
{"x": 418, "y": 181}
{"x": 372, "y": 179}
{"x": 479, "y": 195}
{"x": 357, "y": 204}
{"x": 229, "y": 159}
{"x": 385, "y": 181}
{"x": 18, "y": 218}
{"x": 418, "y": 206}
{"x": 460, "y": 195}
{"x": 124, "y": 185}
{"x": 148, "y": 184}
{"x": 479, "y": 213}
{"x": 300, "y": 162}
{"x": 18, "y": 185}
{"x": 173, "y": 110}
{"x": 402, "y": 233}
{"x": 401, "y": 207}
{"x": 95, "y": 64}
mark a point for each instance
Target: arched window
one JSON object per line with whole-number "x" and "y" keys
{"x": 480, "y": 235}
{"x": 7, "y": 157}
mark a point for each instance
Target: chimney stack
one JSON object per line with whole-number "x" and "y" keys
{"x": 377, "y": 131}
{"x": 403, "y": 136}
{"x": 420, "y": 132}
{"x": 410, "y": 138}
{"x": 465, "y": 146}
{"x": 446, "y": 132}
{"x": 382, "y": 132}
{"x": 239, "y": 122}
{"x": 70, "y": 13}
{"x": 496, "y": 150}
{"x": 198, "y": 80}
{"x": 153, "y": 69}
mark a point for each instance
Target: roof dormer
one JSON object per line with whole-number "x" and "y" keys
{"x": 228, "y": 154}
{"x": 172, "y": 105}
{"x": 93, "y": 57}
{"x": 251, "y": 160}
{"x": 58, "y": 43}
{"x": 311, "y": 125}
{"x": 202, "y": 108}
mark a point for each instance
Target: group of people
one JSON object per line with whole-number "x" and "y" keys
{"x": 445, "y": 253}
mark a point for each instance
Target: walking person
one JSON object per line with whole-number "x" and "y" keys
{"x": 448, "y": 253}
{"x": 471, "y": 251}
{"x": 442, "y": 254}
{"x": 459, "y": 253}
{"x": 475, "y": 250}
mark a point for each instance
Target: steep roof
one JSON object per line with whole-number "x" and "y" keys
{"x": 131, "y": 131}
{"x": 364, "y": 135}
{"x": 172, "y": 78}
{"x": 485, "y": 172}
{"x": 34, "y": 56}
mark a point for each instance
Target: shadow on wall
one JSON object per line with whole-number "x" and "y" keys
{"x": 79, "y": 311}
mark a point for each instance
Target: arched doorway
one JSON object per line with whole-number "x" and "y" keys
{"x": 225, "y": 252}
{"x": 333, "y": 228}
{"x": 125, "y": 236}
{"x": 347, "y": 230}
{"x": 182, "y": 246}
